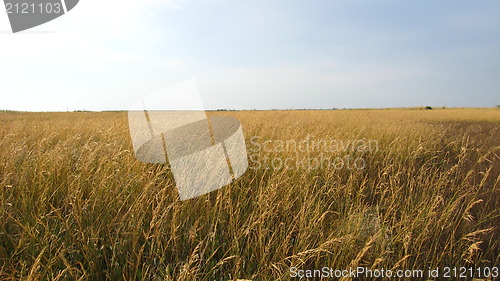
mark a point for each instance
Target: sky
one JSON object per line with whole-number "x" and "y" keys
{"x": 260, "y": 54}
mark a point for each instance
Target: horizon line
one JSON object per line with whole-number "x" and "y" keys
{"x": 270, "y": 109}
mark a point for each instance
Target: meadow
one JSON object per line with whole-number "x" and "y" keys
{"x": 75, "y": 204}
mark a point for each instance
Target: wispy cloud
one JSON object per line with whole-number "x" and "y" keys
{"x": 256, "y": 54}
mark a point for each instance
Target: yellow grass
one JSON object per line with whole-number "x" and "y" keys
{"x": 76, "y": 204}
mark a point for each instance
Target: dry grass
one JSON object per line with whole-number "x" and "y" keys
{"x": 76, "y": 205}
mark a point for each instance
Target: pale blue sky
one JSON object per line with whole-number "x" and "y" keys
{"x": 257, "y": 54}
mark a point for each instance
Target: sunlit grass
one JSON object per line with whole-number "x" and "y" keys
{"x": 76, "y": 204}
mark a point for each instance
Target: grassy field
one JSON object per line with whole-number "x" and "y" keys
{"x": 75, "y": 204}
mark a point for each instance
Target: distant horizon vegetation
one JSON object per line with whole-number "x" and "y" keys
{"x": 427, "y": 107}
